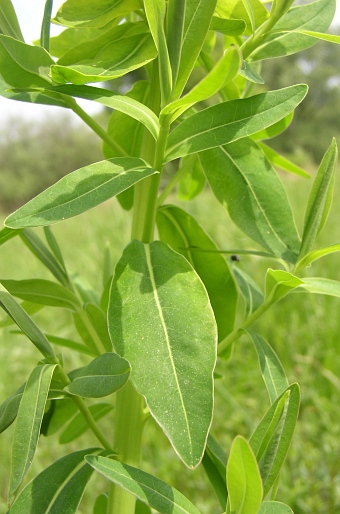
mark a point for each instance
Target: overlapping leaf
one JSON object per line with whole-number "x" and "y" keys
{"x": 83, "y": 13}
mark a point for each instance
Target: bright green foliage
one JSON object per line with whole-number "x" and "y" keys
{"x": 190, "y": 108}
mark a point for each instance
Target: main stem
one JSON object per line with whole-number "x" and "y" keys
{"x": 129, "y": 417}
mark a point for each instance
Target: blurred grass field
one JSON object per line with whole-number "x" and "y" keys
{"x": 304, "y": 330}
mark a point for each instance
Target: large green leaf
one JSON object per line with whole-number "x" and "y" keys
{"x": 103, "y": 376}
{"x": 239, "y": 173}
{"x": 42, "y": 292}
{"x": 28, "y": 423}
{"x": 274, "y": 508}
{"x": 188, "y": 23}
{"x": 23, "y": 66}
{"x": 315, "y": 16}
{"x": 93, "y": 14}
{"x": 9, "y": 24}
{"x": 173, "y": 358}
{"x": 59, "y": 488}
{"x": 25, "y": 323}
{"x": 79, "y": 191}
{"x": 243, "y": 479}
{"x": 272, "y": 437}
{"x": 181, "y": 231}
{"x": 228, "y": 121}
{"x": 147, "y": 488}
{"x": 320, "y": 200}
{"x": 271, "y": 368}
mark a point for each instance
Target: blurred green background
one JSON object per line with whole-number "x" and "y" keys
{"x": 303, "y": 329}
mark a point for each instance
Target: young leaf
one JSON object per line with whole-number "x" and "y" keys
{"x": 59, "y": 488}
{"x": 228, "y": 121}
{"x": 315, "y": 255}
{"x": 45, "y": 27}
{"x": 320, "y": 286}
{"x": 279, "y": 283}
{"x": 6, "y": 234}
{"x": 28, "y": 423}
{"x": 9, "y": 25}
{"x": 98, "y": 320}
{"x": 274, "y": 508}
{"x": 227, "y": 26}
{"x": 79, "y": 191}
{"x": 331, "y": 38}
{"x": 146, "y": 284}
{"x": 147, "y": 488}
{"x": 25, "y": 323}
{"x": 320, "y": 199}
{"x": 271, "y": 368}
{"x": 239, "y": 172}
{"x": 9, "y": 408}
{"x": 68, "y": 343}
{"x": 78, "y": 426}
{"x": 187, "y": 26}
{"x": 52, "y": 243}
{"x": 250, "y": 291}
{"x": 243, "y": 479}
{"x": 314, "y": 16}
{"x": 192, "y": 178}
{"x": 236, "y": 10}
{"x": 181, "y": 231}
{"x": 103, "y": 376}
{"x": 60, "y": 413}
{"x": 281, "y": 162}
{"x": 274, "y": 130}
{"x": 42, "y": 292}
{"x": 214, "y": 463}
{"x": 83, "y": 13}
{"x": 271, "y": 439}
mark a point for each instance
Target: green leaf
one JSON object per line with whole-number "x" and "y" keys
{"x": 121, "y": 103}
{"x": 100, "y": 505}
{"x": 53, "y": 244}
{"x": 147, "y": 488}
{"x": 250, "y": 291}
{"x": 23, "y": 66}
{"x": 68, "y": 343}
{"x": 271, "y": 368}
{"x": 279, "y": 283}
{"x": 45, "y": 26}
{"x": 9, "y": 24}
{"x": 103, "y": 376}
{"x": 114, "y": 59}
{"x": 181, "y": 231}
{"x": 315, "y": 16}
{"x": 28, "y": 423}
{"x": 6, "y": 234}
{"x": 60, "y": 413}
{"x": 316, "y": 254}
{"x": 48, "y": 259}
{"x": 319, "y": 285}
{"x": 78, "y": 426}
{"x": 9, "y": 408}
{"x": 236, "y": 10}
{"x": 320, "y": 200}
{"x": 228, "y": 121}
{"x": 274, "y": 130}
{"x": 35, "y": 97}
{"x": 42, "y": 292}
{"x": 239, "y": 173}
{"x": 192, "y": 178}
{"x": 187, "y": 26}
{"x": 93, "y": 14}
{"x": 331, "y": 38}
{"x": 243, "y": 479}
{"x": 228, "y": 27}
{"x": 274, "y": 508}
{"x": 79, "y": 191}
{"x": 178, "y": 388}
{"x": 224, "y": 71}
{"x": 98, "y": 320}
{"x": 281, "y": 162}
{"x": 272, "y": 437}
{"x": 59, "y": 488}
{"x": 214, "y": 463}
{"x": 25, "y": 323}
{"x": 250, "y": 72}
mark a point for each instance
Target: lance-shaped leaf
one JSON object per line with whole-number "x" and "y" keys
{"x": 181, "y": 231}
{"x": 318, "y": 285}
{"x": 188, "y": 24}
{"x": 243, "y": 479}
{"x": 103, "y": 376}
{"x": 274, "y": 130}
{"x": 147, "y": 488}
{"x": 25, "y": 323}
{"x": 331, "y": 38}
{"x": 239, "y": 173}
{"x": 271, "y": 368}
{"x": 31, "y": 96}
{"x": 236, "y": 10}
{"x": 228, "y": 27}
{"x": 315, "y": 255}
{"x": 272, "y": 437}
{"x": 83, "y": 13}
{"x": 45, "y": 26}
{"x": 123, "y": 104}
{"x": 279, "y": 283}
{"x": 59, "y": 488}
{"x": 250, "y": 291}
{"x": 9, "y": 408}
{"x": 192, "y": 179}
{"x": 79, "y": 191}
{"x": 314, "y": 16}
{"x": 172, "y": 358}
{"x": 229, "y": 121}
{"x": 320, "y": 200}
{"x": 23, "y": 66}
{"x": 281, "y": 162}
{"x": 28, "y": 423}
{"x": 9, "y": 24}
{"x": 42, "y": 292}
{"x": 78, "y": 426}
{"x": 214, "y": 463}
{"x": 6, "y": 234}
{"x": 274, "y": 508}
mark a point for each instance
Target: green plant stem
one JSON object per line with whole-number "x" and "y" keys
{"x": 92, "y": 332}
{"x": 170, "y": 185}
{"x": 86, "y": 413}
{"x": 93, "y": 125}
